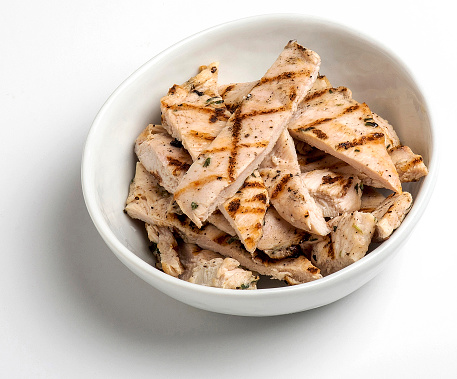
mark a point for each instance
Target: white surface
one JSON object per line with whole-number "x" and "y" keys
{"x": 70, "y": 309}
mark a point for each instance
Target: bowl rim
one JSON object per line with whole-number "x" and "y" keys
{"x": 371, "y": 260}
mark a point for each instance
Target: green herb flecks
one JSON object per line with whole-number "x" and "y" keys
{"x": 207, "y": 162}
{"x": 214, "y": 100}
{"x": 245, "y": 286}
{"x": 357, "y": 228}
{"x": 194, "y": 205}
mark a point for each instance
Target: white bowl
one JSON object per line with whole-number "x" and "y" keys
{"x": 245, "y": 49}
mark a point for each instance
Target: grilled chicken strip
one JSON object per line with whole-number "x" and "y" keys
{"x": 211, "y": 269}
{"x": 168, "y": 253}
{"x": 249, "y": 135}
{"x": 410, "y": 166}
{"x": 334, "y": 193}
{"x": 193, "y": 112}
{"x": 390, "y": 214}
{"x": 319, "y": 160}
{"x": 166, "y": 159}
{"x": 288, "y": 194}
{"x": 333, "y": 121}
{"x": 280, "y": 238}
{"x": 346, "y": 244}
{"x": 391, "y": 138}
{"x": 148, "y": 202}
{"x": 233, "y": 93}
{"x": 246, "y": 210}
{"x": 162, "y": 156}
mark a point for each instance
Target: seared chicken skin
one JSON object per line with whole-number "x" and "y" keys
{"x": 249, "y": 135}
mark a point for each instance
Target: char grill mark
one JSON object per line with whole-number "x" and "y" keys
{"x": 361, "y": 141}
{"x": 179, "y": 166}
{"x": 281, "y": 185}
{"x": 284, "y": 76}
{"x": 201, "y": 135}
{"x": 311, "y": 127}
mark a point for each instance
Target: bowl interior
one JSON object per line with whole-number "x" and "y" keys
{"x": 245, "y": 50}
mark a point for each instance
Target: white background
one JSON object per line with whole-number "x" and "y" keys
{"x": 70, "y": 309}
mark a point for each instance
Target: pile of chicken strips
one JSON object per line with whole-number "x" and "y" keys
{"x": 279, "y": 177}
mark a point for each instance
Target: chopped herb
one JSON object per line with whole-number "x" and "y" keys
{"x": 199, "y": 93}
{"x": 357, "y": 150}
{"x": 356, "y": 187}
{"x": 361, "y": 186}
{"x": 388, "y": 146}
{"x": 371, "y": 123}
{"x": 244, "y": 286}
{"x": 357, "y": 228}
{"x": 207, "y": 162}
{"x": 330, "y": 91}
{"x": 339, "y": 105}
{"x": 214, "y": 100}
{"x": 368, "y": 119}
{"x": 194, "y": 205}
{"x": 335, "y": 227}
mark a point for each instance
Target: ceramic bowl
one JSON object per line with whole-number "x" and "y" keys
{"x": 245, "y": 49}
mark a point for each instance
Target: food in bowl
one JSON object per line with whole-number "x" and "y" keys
{"x": 275, "y": 177}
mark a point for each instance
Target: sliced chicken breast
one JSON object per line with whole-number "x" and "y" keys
{"x": 334, "y": 122}
{"x": 288, "y": 194}
{"x": 148, "y": 203}
{"x": 347, "y": 243}
{"x": 193, "y": 112}
{"x": 211, "y": 269}
{"x": 391, "y": 138}
{"x": 334, "y": 193}
{"x": 410, "y": 166}
{"x": 234, "y": 93}
{"x": 280, "y": 238}
{"x": 249, "y": 135}
{"x": 168, "y": 252}
{"x": 163, "y": 156}
{"x": 246, "y": 211}
{"x": 390, "y": 214}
